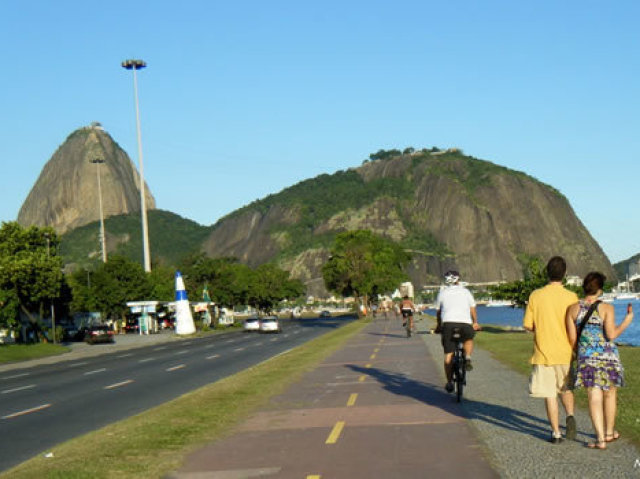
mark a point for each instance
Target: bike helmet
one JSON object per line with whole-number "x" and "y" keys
{"x": 451, "y": 277}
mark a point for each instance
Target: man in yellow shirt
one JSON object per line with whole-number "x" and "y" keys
{"x": 545, "y": 316}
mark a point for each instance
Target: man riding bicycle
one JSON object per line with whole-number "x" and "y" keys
{"x": 407, "y": 308}
{"x": 456, "y": 309}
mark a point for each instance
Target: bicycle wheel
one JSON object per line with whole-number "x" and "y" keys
{"x": 408, "y": 329}
{"x": 458, "y": 375}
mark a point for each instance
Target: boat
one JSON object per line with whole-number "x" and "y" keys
{"x": 626, "y": 296}
{"x": 499, "y": 303}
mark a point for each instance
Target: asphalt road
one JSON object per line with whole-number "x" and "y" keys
{"x": 45, "y": 405}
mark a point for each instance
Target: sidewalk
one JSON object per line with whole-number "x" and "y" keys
{"x": 377, "y": 409}
{"x": 374, "y": 409}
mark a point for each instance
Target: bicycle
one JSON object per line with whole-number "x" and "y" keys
{"x": 407, "y": 317}
{"x": 459, "y": 371}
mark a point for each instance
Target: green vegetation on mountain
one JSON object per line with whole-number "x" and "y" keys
{"x": 171, "y": 237}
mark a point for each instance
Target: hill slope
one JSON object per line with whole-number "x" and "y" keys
{"x": 65, "y": 195}
{"x": 449, "y": 209}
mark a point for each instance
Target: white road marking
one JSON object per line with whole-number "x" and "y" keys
{"x": 213, "y": 356}
{"x": 78, "y": 364}
{"x": 274, "y": 339}
{"x": 16, "y": 376}
{"x": 239, "y": 349}
{"x": 179, "y": 366}
{"x": 209, "y": 346}
{"x": 117, "y": 385}
{"x": 160, "y": 348}
{"x": 95, "y": 371}
{"x": 230, "y": 341}
{"x": 21, "y": 388}
{"x": 27, "y": 411}
{"x": 125, "y": 355}
{"x": 258, "y": 344}
{"x": 146, "y": 360}
{"x": 185, "y": 351}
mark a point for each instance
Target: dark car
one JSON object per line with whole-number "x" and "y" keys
{"x": 98, "y": 333}
{"x": 325, "y": 314}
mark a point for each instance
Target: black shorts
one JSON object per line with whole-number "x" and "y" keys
{"x": 448, "y": 342}
{"x": 406, "y": 313}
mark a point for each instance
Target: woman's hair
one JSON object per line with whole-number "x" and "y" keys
{"x": 593, "y": 282}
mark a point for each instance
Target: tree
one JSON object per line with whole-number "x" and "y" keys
{"x": 110, "y": 286}
{"x": 30, "y": 271}
{"x": 269, "y": 285}
{"x": 535, "y": 276}
{"x": 363, "y": 264}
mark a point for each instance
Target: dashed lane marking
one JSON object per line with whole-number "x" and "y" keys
{"x": 75, "y": 365}
{"x": 273, "y": 339}
{"x": 373, "y": 356}
{"x": 314, "y": 476}
{"x": 128, "y": 355}
{"x": 95, "y": 371}
{"x": 174, "y": 368}
{"x": 27, "y": 411}
{"x": 16, "y": 376}
{"x": 376, "y": 350}
{"x": 160, "y": 348}
{"x": 213, "y": 356}
{"x": 362, "y": 378}
{"x": 21, "y": 388}
{"x": 368, "y": 365}
{"x": 352, "y": 399}
{"x": 238, "y": 350}
{"x": 120, "y": 384}
{"x": 146, "y": 360}
{"x": 335, "y": 433}
{"x": 184, "y": 351}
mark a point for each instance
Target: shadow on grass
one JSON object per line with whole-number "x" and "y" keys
{"x": 434, "y": 395}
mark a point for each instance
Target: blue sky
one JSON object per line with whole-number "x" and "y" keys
{"x": 242, "y": 99}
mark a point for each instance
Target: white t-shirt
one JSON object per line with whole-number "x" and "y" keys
{"x": 456, "y": 302}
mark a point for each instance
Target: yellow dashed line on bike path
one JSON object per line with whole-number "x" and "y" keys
{"x": 367, "y": 365}
{"x": 373, "y": 356}
{"x": 362, "y": 378}
{"x": 335, "y": 433}
{"x": 352, "y": 399}
{"x": 314, "y": 476}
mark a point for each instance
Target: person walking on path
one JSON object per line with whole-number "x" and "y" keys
{"x": 545, "y": 317}
{"x": 598, "y": 367}
{"x": 455, "y": 308}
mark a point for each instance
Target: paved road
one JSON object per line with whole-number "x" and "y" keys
{"x": 377, "y": 409}
{"x": 45, "y": 402}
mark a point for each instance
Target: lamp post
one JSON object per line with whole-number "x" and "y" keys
{"x": 103, "y": 239}
{"x": 138, "y": 65}
{"x": 53, "y": 316}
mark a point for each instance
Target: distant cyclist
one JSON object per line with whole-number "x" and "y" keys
{"x": 455, "y": 308}
{"x": 407, "y": 308}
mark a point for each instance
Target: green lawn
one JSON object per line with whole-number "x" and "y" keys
{"x": 22, "y": 352}
{"x": 154, "y": 443}
{"x": 515, "y": 349}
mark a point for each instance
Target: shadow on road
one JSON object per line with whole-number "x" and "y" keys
{"x": 434, "y": 395}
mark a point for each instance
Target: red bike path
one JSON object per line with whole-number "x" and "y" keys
{"x": 376, "y": 408}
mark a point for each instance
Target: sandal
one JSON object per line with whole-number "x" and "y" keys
{"x": 612, "y": 437}
{"x": 600, "y": 444}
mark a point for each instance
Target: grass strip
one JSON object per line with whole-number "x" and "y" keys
{"x": 154, "y": 443}
{"x": 10, "y": 353}
{"x": 514, "y": 349}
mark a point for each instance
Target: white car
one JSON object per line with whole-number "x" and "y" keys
{"x": 270, "y": 324}
{"x": 252, "y": 324}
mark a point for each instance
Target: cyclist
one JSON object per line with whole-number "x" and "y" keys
{"x": 407, "y": 307}
{"x": 455, "y": 308}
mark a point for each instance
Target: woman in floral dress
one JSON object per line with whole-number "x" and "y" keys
{"x": 598, "y": 367}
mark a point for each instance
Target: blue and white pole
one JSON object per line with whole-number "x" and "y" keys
{"x": 184, "y": 319}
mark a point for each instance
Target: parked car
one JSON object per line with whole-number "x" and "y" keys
{"x": 252, "y": 323}
{"x": 98, "y": 333}
{"x": 325, "y": 314}
{"x": 270, "y": 324}
{"x": 132, "y": 326}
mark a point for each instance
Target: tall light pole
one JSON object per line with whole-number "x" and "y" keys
{"x": 47, "y": 236}
{"x": 138, "y": 65}
{"x": 103, "y": 239}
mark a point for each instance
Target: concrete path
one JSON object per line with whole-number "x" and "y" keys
{"x": 374, "y": 409}
{"x": 377, "y": 409}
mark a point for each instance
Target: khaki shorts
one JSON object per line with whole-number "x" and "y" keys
{"x": 548, "y": 381}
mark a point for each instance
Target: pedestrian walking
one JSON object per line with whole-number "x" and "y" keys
{"x": 597, "y": 366}
{"x": 545, "y": 317}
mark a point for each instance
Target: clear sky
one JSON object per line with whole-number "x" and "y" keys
{"x": 244, "y": 98}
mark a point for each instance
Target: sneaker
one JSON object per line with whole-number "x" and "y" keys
{"x": 467, "y": 365}
{"x": 449, "y": 387}
{"x": 555, "y": 439}
{"x": 571, "y": 428}
{"x": 404, "y": 325}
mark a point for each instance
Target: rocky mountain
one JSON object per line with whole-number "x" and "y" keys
{"x": 448, "y": 209}
{"x": 65, "y": 195}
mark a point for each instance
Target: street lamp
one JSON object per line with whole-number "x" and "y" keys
{"x": 103, "y": 240}
{"x": 138, "y": 65}
{"x": 53, "y": 315}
